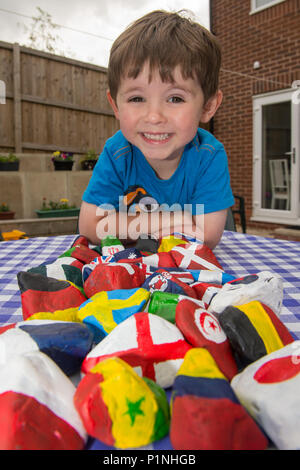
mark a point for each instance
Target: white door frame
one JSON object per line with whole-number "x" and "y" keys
{"x": 292, "y": 216}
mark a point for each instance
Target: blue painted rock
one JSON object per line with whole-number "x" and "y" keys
{"x": 264, "y": 286}
{"x": 154, "y": 347}
{"x": 105, "y": 310}
{"x": 36, "y": 406}
{"x": 47, "y": 298}
{"x": 269, "y": 390}
{"x": 66, "y": 343}
{"x": 206, "y": 414}
{"x": 202, "y": 329}
{"x": 135, "y": 417}
{"x": 166, "y": 281}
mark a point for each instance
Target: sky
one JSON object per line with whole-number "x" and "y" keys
{"x": 104, "y": 20}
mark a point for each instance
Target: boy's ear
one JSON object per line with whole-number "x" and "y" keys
{"x": 113, "y": 104}
{"x": 211, "y": 106}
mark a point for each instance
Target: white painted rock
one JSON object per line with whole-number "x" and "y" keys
{"x": 270, "y": 390}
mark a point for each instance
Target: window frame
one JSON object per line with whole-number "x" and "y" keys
{"x": 255, "y": 9}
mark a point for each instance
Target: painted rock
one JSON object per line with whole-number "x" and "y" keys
{"x": 36, "y": 406}
{"x": 129, "y": 254}
{"x": 105, "y": 310}
{"x": 164, "y": 304}
{"x": 205, "y": 291}
{"x": 112, "y": 276}
{"x": 269, "y": 390}
{"x": 254, "y": 330}
{"x": 206, "y": 414}
{"x": 165, "y": 281}
{"x": 66, "y": 343}
{"x": 64, "y": 269}
{"x": 159, "y": 260}
{"x": 82, "y": 253}
{"x": 202, "y": 329}
{"x": 47, "y": 298}
{"x": 147, "y": 245}
{"x": 168, "y": 243}
{"x": 211, "y": 276}
{"x": 111, "y": 245}
{"x": 195, "y": 256}
{"x": 154, "y": 347}
{"x": 265, "y": 286}
{"x": 135, "y": 417}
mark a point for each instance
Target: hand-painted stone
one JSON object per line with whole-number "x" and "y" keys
{"x": 36, "y": 406}
{"x": 147, "y": 245}
{"x": 195, "y": 256}
{"x": 253, "y": 330}
{"x": 205, "y": 412}
{"x": 135, "y": 417}
{"x": 167, "y": 243}
{"x": 203, "y": 330}
{"x": 154, "y": 347}
{"x": 164, "y": 304}
{"x": 112, "y": 276}
{"x": 66, "y": 343}
{"x": 47, "y": 298}
{"x": 205, "y": 291}
{"x": 211, "y": 276}
{"x": 105, "y": 310}
{"x": 159, "y": 260}
{"x": 165, "y": 281}
{"x": 63, "y": 269}
{"x": 111, "y": 245}
{"x": 265, "y": 286}
{"x": 81, "y": 253}
{"x": 269, "y": 390}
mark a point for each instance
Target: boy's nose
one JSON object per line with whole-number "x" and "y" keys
{"x": 155, "y": 114}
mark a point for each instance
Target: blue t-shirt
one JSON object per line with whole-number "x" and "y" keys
{"x": 202, "y": 176}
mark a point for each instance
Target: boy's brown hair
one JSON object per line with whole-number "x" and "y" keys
{"x": 166, "y": 40}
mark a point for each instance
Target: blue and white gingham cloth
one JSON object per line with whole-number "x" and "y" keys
{"x": 238, "y": 254}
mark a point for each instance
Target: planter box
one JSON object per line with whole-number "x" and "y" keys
{"x": 7, "y": 215}
{"x": 88, "y": 164}
{"x": 9, "y": 166}
{"x": 58, "y": 213}
{"x": 63, "y": 166}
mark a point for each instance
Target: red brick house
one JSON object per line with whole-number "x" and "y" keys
{"x": 259, "y": 120}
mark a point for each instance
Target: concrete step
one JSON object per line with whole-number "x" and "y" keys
{"x": 41, "y": 227}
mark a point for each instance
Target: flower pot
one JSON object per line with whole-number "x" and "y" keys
{"x": 9, "y": 166}
{"x": 7, "y": 215}
{"x": 58, "y": 213}
{"x": 63, "y": 165}
{"x": 88, "y": 164}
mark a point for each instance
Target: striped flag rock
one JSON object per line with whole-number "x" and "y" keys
{"x": 265, "y": 286}
{"x": 195, "y": 256}
{"x": 36, "y": 406}
{"x": 64, "y": 269}
{"x": 206, "y": 413}
{"x": 134, "y": 418}
{"x": 66, "y": 343}
{"x": 153, "y": 346}
{"x": 269, "y": 390}
{"x": 164, "y": 280}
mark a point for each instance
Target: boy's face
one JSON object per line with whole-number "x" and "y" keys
{"x": 160, "y": 118}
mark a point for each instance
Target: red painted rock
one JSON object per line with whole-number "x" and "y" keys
{"x": 195, "y": 256}
{"x": 202, "y": 329}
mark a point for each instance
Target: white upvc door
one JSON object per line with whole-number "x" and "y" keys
{"x": 276, "y": 139}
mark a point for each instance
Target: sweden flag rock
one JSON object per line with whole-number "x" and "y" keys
{"x": 105, "y": 310}
{"x": 47, "y": 298}
{"x": 134, "y": 418}
{"x": 36, "y": 406}
{"x": 66, "y": 343}
{"x": 205, "y": 412}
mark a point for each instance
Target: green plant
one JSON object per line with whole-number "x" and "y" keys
{"x": 52, "y": 205}
{"x": 4, "y": 207}
{"x": 11, "y": 157}
{"x": 62, "y": 156}
{"x": 90, "y": 155}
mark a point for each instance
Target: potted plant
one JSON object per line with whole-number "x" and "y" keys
{"x": 89, "y": 160}
{"x": 63, "y": 161}
{"x": 57, "y": 209}
{"x": 5, "y": 212}
{"x": 9, "y": 162}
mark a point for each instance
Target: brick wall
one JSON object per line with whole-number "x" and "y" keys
{"x": 270, "y": 37}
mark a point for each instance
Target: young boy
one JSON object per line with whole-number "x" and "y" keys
{"x": 163, "y": 81}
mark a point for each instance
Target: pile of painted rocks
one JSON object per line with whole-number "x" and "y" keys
{"x": 139, "y": 322}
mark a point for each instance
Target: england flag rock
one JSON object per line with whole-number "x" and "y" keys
{"x": 269, "y": 390}
{"x": 153, "y": 346}
{"x": 36, "y": 406}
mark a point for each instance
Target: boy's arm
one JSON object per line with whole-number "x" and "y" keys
{"x": 212, "y": 224}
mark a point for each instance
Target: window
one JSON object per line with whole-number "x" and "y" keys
{"x": 258, "y": 5}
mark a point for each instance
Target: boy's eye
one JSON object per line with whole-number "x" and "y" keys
{"x": 176, "y": 99}
{"x": 136, "y": 99}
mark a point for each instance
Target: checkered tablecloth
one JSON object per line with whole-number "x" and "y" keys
{"x": 237, "y": 253}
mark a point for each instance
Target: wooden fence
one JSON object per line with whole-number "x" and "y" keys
{"x": 52, "y": 103}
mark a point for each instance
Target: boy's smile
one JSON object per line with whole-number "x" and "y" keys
{"x": 160, "y": 118}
